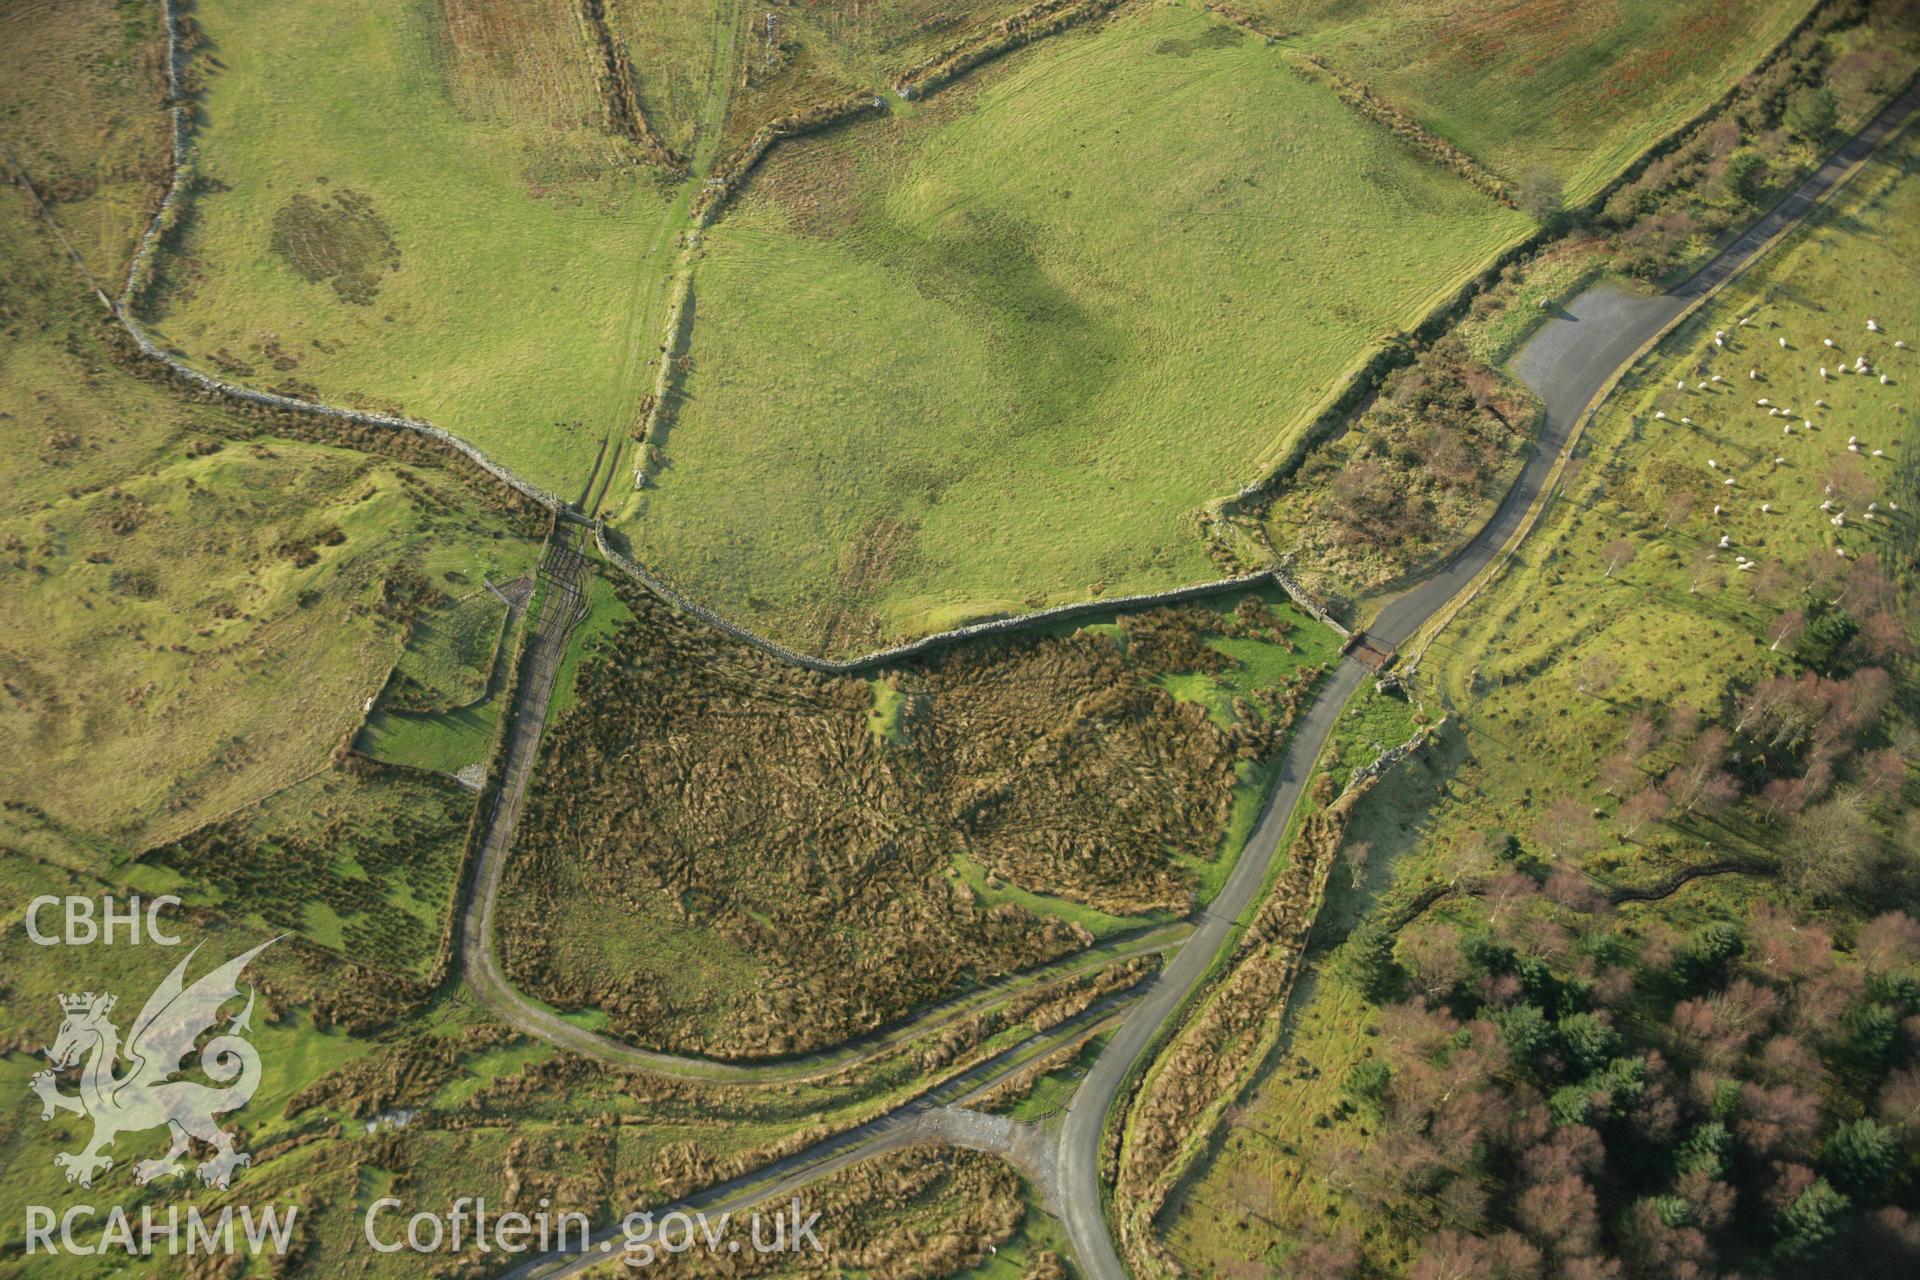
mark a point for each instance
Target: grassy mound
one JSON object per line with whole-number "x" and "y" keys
{"x": 960, "y": 360}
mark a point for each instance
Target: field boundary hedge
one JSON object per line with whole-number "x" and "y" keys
{"x": 1016, "y": 30}
{"x": 1368, "y": 379}
{"x": 1359, "y": 95}
{"x": 618, "y": 96}
{"x": 660, "y": 588}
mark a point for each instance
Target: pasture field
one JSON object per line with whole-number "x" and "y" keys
{"x": 189, "y": 618}
{"x": 77, "y": 111}
{"x": 958, "y": 361}
{"x": 187, "y": 640}
{"x": 1579, "y": 86}
{"x": 490, "y": 267}
{"x": 1581, "y": 677}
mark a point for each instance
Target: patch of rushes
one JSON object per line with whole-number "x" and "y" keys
{"x": 360, "y": 861}
{"x": 1037, "y": 792}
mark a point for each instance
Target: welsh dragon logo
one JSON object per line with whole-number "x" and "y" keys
{"x": 145, "y": 1095}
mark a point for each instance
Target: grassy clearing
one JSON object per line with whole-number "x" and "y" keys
{"x": 1579, "y": 86}
{"x": 358, "y": 863}
{"x": 953, "y": 362}
{"x": 485, "y": 267}
{"x": 1553, "y": 667}
{"x": 450, "y": 656}
{"x": 606, "y": 613}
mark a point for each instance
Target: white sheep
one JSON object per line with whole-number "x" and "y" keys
{"x": 1716, "y": 508}
{"x": 1853, "y": 439}
{"x": 1853, "y": 448}
{"x": 1900, "y": 344}
{"x": 1681, "y": 385}
{"x": 1787, "y": 430}
{"x": 1821, "y": 404}
{"x": 1826, "y": 341}
{"x": 1699, "y": 386}
{"x": 1729, "y": 482}
{"x": 1745, "y": 321}
{"x": 1884, "y": 379}
{"x": 1839, "y": 521}
{"x": 1725, "y": 542}
{"x": 1719, "y": 342}
{"x": 1718, "y": 378}
{"x": 1826, "y": 504}
{"x": 1712, "y": 465}
{"x": 1763, "y": 402}
{"x": 1773, "y": 413}
{"x": 1879, "y": 453}
{"x": 1823, "y": 373}
{"x": 1779, "y": 460}
{"x": 1660, "y": 416}
{"x": 1753, "y": 375}
{"x": 1841, "y": 552}
{"x": 1893, "y": 506}
{"x": 1766, "y": 508}
{"x": 1719, "y": 333}
{"x": 1748, "y": 567}
{"x": 1873, "y": 506}
{"x": 1783, "y": 342}
{"x": 1686, "y": 420}
{"x": 1873, "y": 326}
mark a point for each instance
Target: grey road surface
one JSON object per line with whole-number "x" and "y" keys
{"x": 1566, "y": 363}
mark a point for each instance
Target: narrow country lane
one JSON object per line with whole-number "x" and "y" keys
{"x": 1568, "y": 363}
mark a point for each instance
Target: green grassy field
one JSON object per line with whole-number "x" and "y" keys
{"x": 450, "y": 655}
{"x": 958, "y": 361}
{"x": 1580, "y": 86}
{"x": 1550, "y": 665}
{"x": 490, "y": 267}
{"x": 190, "y": 639}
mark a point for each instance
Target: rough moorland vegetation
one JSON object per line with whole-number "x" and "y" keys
{"x": 1410, "y": 476}
{"x": 917, "y": 1214}
{"x": 799, "y": 867}
{"x": 1781, "y": 121}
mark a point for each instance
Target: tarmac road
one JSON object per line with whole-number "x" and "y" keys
{"x": 1567, "y": 363}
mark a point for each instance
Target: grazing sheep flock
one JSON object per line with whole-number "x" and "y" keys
{"x": 1834, "y": 511}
